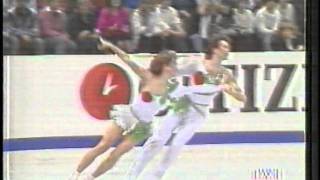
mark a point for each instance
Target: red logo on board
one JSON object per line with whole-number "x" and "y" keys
{"x": 103, "y": 86}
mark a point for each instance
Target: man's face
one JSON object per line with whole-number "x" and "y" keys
{"x": 223, "y": 49}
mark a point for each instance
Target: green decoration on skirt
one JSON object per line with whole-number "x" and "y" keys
{"x": 141, "y": 132}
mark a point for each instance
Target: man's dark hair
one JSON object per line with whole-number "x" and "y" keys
{"x": 214, "y": 43}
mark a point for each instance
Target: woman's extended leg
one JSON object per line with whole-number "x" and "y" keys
{"x": 126, "y": 145}
{"x": 112, "y": 133}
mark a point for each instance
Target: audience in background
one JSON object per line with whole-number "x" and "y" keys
{"x": 250, "y": 4}
{"x": 287, "y": 11}
{"x": 149, "y": 26}
{"x": 131, "y": 4}
{"x": 286, "y": 38}
{"x": 23, "y": 29}
{"x": 173, "y": 35}
{"x": 81, "y": 27}
{"x": 267, "y": 20}
{"x": 300, "y": 16}
{"x": 209, "y": 22}
{"x": 187, "y": 10}
{"x": 113, "y": 24}
{"x": 6, "y": 40}
{"x": 244, "y": 22}
{"x": 53, "y": 29}
{"x": 225, "y": 25}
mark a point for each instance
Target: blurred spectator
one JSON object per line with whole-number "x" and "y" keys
{"x": 216, "y": 19}
{"x": 209, "y": 16}
{"x": 81, "y": 27}
{"x": 287, "y": 11}
{"x": 286, "y": 38}
{"x": 6, "y": 41}
{"x": 187, "y": 10}
{"x": 158, "y": 27}
{"x": 244, "y": 23}
{"x": 23, "y": 29}
{"x": 53, "y": 29}
{"x": 131, "y": 4}
{"x": 99, "y": 3}
{"x": 243, "y": 18}
{"x": 143, "y": 21}
{"x": 113, "y": 24}
{"x": 256, "y": 5}
{"x": 250, "y": 4}
{"x": 150, "y": 25}
{"x": 173, "y": 34}
{"x": 41, "y": 4}
{"x": 300, "y": 15}
{"x": 226, "y": 25}
{"x": 267, "y": 20}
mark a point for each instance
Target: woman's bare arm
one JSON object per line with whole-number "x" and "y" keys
{"x": 123, "y": 56}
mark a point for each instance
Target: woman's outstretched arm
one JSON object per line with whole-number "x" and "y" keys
{"x": 123, "y": 56}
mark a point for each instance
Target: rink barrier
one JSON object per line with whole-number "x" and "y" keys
{"x": 203, "y": 138}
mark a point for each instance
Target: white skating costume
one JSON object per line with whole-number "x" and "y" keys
{"x": 135, "y": 119}
{"x": 184, "y": 124}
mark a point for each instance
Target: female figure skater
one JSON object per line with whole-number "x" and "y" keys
{"x": 132, "y": 122}
{"x": 208, "y": 74}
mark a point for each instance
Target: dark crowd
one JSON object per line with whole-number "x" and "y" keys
{"x": 149, "y": 26}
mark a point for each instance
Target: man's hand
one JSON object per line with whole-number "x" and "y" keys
{"x": 225, "y": 87}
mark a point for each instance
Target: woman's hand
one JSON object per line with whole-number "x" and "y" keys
{"x": 104, "y": 45}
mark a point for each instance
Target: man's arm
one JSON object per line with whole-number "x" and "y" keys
{"x": 233, "y": 89}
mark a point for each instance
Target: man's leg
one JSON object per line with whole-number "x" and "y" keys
{"x": 192, "y": 123}
{"x": 154, "y": 144}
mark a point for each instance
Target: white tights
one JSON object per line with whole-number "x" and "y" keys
{"x": 187, "y": 126}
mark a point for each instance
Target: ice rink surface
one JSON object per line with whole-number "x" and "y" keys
{"x": 196, "y": 162}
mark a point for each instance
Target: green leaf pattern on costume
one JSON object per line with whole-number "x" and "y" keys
{"x": 165, "y": 99}
{"x": 178, "y": 105}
